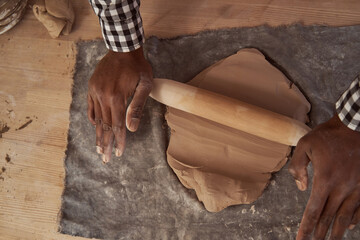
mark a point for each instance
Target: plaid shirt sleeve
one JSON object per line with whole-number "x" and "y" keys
{"x": 348, "y": 106}
{"x": 121, "y": 23}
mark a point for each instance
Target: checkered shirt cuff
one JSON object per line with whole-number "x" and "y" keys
{"x": 121, "y": 24}
{"x": 348, "y": 106}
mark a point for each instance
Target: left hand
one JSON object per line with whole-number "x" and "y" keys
{"x": 117, "y": 77}
{"x": 334, "y": 150}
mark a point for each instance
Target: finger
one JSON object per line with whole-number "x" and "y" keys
{"x": 108, "y": 135}
{"x": 332, "y": 205}
{"x": 118, "y": 125}
{"x": 298, "y": 165}
{"x": 98, "y": 129}
{"x": 90, "y": 110}
{"x": 344, "y": 215}
{"x": 355, "y": 219}
{"x": 314, "y": 207}
{"x": 136, "y": 106}
{"x": 108, "y": 142}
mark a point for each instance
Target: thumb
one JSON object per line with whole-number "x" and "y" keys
{"x": 134, "y": 111}
{"x": 298, "y": 165}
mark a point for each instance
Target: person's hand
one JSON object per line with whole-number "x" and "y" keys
{"x": 334, "y": 150}
{"x": 117, "y": 77}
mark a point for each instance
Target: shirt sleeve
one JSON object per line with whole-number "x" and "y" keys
{"x": 348, "y": 106}
{"x": 121, "y": 24}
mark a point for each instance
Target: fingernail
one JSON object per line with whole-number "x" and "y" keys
{"x": 300, "y": 186}
{"x": 99, "y": 150}
{"x": 104, "y": 159}
{"x": 134, "y": 124}
{"x": 118, "y": 152}
{"x": 351, "y": 226}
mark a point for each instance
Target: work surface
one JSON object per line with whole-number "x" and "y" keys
{"x": 35, "y": 92}
{"x": 138, "y": 196}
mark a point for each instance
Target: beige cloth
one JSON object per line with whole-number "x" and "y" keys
{"x": 56, "y": 15}
{"x": 223, "y": 165}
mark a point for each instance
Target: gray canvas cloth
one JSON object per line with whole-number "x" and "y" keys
{"x": 139, "y": 197}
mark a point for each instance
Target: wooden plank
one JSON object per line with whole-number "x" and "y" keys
{"x": 169, "y": 18}
{"x": 36, "y": 77}
{"x": 30, "y": 190}
{"x": 53, "y": 56}
{"x": 188, "y": 17}
{"x": 23, "y": 233}
{"x": 39, "y": 91}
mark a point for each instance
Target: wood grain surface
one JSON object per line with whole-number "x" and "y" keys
{"x": 170, "y": 18}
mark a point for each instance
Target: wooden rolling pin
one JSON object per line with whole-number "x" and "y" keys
{"x": 229, "y": 112}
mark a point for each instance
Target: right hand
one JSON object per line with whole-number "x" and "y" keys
{"x": 117, "y": 77}
{"x": 334, "y": 150}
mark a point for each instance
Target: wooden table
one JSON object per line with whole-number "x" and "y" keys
{"x": 36, "y": 74}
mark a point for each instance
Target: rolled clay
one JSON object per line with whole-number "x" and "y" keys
{"x": 226, "y": 166}
{"x": 56, "y": 15}
{"x": 229, "y": 112}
